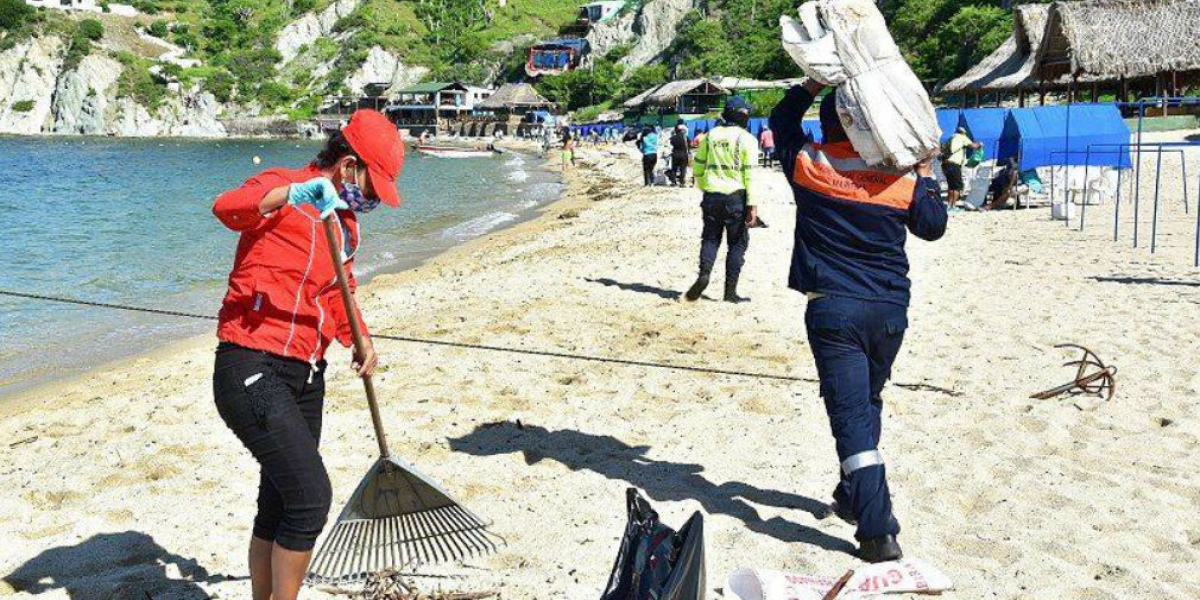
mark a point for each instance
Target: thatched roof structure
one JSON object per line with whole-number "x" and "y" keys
{"x": 1111, "y": 39}
{"x": 515, "y": 96}
{"x": 1011, "y": 66}
{"x": 668, "y": 94}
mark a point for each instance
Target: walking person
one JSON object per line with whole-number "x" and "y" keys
{"x": 681, "y": 155}
{"x": 648, "y": 144}
{"x": 568, "y": 150}
{"x": 849, "y": 259}
{"x": 723, "y": 164}
{"x": 282, "y": 310}
{"x": 958, "y": 149}
{"x": 767, "y": 140}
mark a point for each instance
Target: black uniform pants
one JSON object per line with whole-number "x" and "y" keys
{"x": 273, "y": 407}
{"x": 679, "y": 167}
{"x": 724, "y": 214}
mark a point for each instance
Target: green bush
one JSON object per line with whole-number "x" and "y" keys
{"x": 300, "y": 7}
{"x": 23, "y": 106}
{"x": 80, "y": 47}
{"x": 273, "y": 94}
{"x": 92, "y": 29}
{"x": 159, "y": 29}
{"x": 14, "y": 14}
{"x": 354, "y": 20}
{"x": 220, "y": 85}
{"x": 137, "y": 82}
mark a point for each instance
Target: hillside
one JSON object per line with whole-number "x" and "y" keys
{"x": 182, "y": 65}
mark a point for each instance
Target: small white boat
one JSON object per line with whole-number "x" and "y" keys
{"x": 456, "y": 151}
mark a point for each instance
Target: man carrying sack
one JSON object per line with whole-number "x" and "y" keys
{"x": 849, "y": 259}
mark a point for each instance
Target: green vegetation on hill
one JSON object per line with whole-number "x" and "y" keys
{"x": 472, "y": 40}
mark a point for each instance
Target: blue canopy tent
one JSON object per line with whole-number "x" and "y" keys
{"x": 1043, "y": 137}
{"x": 986, "y": 126}
{"x": 948, "y": 121}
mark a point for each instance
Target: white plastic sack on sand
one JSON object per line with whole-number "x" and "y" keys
{"x": 886, "y": 111}
{"x": 906, "y": 576}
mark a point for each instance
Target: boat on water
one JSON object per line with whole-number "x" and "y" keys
{"x": 457, "y": 151}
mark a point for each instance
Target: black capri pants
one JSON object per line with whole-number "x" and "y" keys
{"x": 273, "y": 405}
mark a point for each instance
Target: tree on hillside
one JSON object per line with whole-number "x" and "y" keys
{"x": 14, "y": 14}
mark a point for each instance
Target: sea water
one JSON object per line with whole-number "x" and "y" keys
{"x": 130, "y": 222}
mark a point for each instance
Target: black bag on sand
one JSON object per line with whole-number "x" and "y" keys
{"x": 656, "y": 562}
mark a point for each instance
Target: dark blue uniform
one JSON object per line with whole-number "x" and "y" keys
{"x": 851, "y": 224}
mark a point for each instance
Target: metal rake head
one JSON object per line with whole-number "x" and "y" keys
{"x": 398, "y": 519}
{"x": 1092, "y": 376}
{"x": 356, "y": 549}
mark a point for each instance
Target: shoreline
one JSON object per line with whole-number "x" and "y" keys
{"x": 1067, "y": 497}
{"x": 21, "y": 393}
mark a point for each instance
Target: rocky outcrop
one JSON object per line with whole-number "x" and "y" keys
{"x": 382, "y": 66}
{"x": 651, "y": 30}
{"x": 83, "y": 96}
{"x": 28, "y": 76}
{"x": 308, "y": 28}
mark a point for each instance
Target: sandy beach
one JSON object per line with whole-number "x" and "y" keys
{"x": 125, "y": 483}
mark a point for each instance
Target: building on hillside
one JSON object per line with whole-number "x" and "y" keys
{"x": 674, "y": 100}
{"x": 476, "y": 95}
{"x": 87, "y": 5}
{"x": 433, "y": 104}
{"x": 1146, "y": 47}
{"x": 518, "y": 109}
{"x": 554, "y": 57}
{"x": 591, "y": 14}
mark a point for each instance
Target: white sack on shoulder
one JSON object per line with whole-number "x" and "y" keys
{"x": 811, "y": 46}
{"x": 884, "y": 108}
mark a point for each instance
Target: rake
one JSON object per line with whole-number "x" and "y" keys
{"x": 397, "y": 517}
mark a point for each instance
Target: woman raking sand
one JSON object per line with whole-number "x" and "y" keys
{"x": 282, "y": 310}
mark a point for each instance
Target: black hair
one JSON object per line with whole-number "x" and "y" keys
{"x": 336, "y": 148}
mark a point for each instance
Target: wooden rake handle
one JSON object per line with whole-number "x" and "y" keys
{"x": 355, "y": 331}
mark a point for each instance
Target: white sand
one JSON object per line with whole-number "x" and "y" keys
{"x": 130, "y": 467}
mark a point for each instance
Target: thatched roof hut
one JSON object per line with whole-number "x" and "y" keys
{"x": 684, "y": 97}
{"x": 516, "y": 97}
{"x": 1011, "y": 66}
{"x": 1114, "y": 39}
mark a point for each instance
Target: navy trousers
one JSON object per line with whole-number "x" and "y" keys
{"x": 724, "y": 214}
{"x": 855, "y": 343}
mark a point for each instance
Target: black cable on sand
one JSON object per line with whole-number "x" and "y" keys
{"x": 444, "y": 343}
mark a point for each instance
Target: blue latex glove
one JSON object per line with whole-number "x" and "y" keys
{"x": 319, "y": 192}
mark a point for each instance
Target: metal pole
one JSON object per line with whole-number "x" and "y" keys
{"x": 1086, "y": 164}
{"x": 1067, "y": 161}
{"x": 1196, "y": 256}
{"x": 1117, "y": 212}
{"x": 1183, "y": 167}
{"x": 1154, "y": 222}
{"x": 1137, "y": 173}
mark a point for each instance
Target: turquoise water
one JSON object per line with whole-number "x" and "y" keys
{"x": 125, "y": 221}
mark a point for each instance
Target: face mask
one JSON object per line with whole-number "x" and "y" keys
{"x": 352, "y": 195}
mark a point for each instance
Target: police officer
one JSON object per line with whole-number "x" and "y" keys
{"x": 849, "y": 259}
{"x": 722, "y": 170}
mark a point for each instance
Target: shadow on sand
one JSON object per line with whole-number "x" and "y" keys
{"x": 1147, "y": 281}
{"x": 123, "y": 565}
{"x": 661, "y": 481}
{"x": 638, "y": 287}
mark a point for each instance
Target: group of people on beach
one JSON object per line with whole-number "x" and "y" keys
{"x": 282, "y": 309}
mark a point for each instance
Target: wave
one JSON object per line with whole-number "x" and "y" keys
{"x": 518, "y": 176}
{"x": 478, "y": 226}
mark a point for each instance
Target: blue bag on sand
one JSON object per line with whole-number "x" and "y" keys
{"x": 656, "y": 562}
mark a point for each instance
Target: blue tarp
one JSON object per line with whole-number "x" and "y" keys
{"x": 1040, "y": 136}
{"x": 948, "y": 121}
{"x": 985, "y": 125}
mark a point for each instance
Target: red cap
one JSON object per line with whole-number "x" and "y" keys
{"x": 377, "y": 141}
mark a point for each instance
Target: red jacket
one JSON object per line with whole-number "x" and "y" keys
{"x": 283, "y": 295}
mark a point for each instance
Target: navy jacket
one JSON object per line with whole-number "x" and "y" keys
{"x": 851, "y": 219}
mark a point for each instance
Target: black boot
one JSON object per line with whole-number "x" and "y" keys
{"x": 880, "y": 549}
{"x": 693, "y": 293}
{"x": 731, "y": 293}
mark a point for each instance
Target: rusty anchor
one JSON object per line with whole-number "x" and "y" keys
{"x": 1092, "y": 377}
